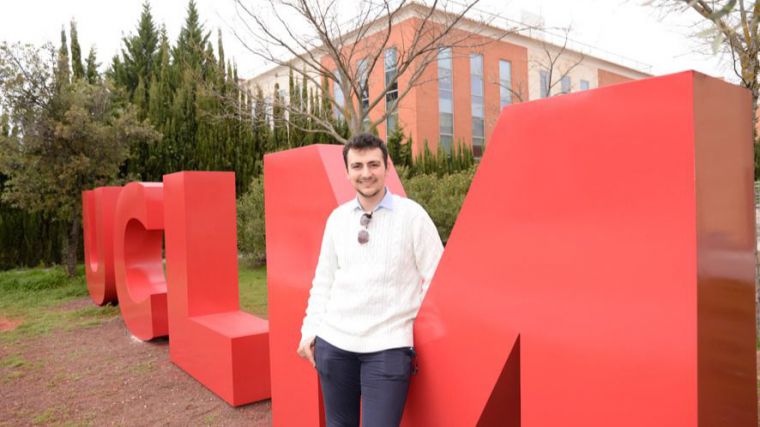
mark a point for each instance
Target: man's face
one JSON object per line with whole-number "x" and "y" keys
{"x": 366, "y": 171}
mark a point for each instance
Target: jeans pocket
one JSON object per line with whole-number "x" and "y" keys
{"x": 319, "y": 352}
{"x": 397, "y": 363}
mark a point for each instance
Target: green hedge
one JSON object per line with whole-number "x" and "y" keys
{"x": 28, "y": 240}
{"x": 441, "y": 196}
{"x": 250, "y": 224}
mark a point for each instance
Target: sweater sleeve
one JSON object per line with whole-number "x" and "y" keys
{"x": 427, "y": 248}
{"x": 320, "y": 286}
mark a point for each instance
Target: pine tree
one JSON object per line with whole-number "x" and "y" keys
{"x": 190, "y": 94}
{"x": 188, "y": 53}
{"x": 139, "y": 55}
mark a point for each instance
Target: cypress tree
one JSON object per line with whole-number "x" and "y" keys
{"x": 5, "y": 127}
{"x": 311, "y": 137}
{"x": 91, "y": 70}
{"x": 394, "y": 145}
{"x": 141, "y": 98}
{"x": 261, "y": 128}
{"x": 221, "y": 74}
{"x": 406, "y": 152}
{"x": 280, "y": 132}
{"x": 293, "y": 98}
{"x": 63, "y": 72}
{"x": 325, "y": 110}
{"x": 77, "y": 69}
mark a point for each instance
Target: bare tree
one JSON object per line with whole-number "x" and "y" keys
{"x": 730, "y": 26}
{"x": 557, "y": 62}
{"x": 323, "y": 48}
{"x": 556, "y": 66}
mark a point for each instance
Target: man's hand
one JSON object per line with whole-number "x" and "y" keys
{"x": 306, "y": 350}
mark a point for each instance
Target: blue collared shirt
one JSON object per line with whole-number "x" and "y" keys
{"x": 386, "y": 203}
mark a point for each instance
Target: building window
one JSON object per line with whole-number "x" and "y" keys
{"x": 338, "y": 97}
{"x": 584, "y": 85}
{"x": 391, "y": 94}
{"x": 544, "y": 83}
{"x": 362, "y": 69}
{"x": 476, "y": 89}
{"x": 505, "y": 83}
{"x": 445, "y": 98}
{"x": 565, "y": 83}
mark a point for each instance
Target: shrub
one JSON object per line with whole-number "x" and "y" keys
{"x": 441, "y": 196}
{"x": 250, "y": 224}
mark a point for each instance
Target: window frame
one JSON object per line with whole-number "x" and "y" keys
{"x": 391, "y": 90}
{"x": 477, "y": 103}
{"x": 505, "y": 84}
{"x": 445, "y": 87}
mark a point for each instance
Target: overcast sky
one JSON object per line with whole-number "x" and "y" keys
{"x": 621, "y": 27}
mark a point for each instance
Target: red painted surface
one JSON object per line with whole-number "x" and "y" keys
{"x": 224, "y": 348}
{"x": 138, "y": 264}
{"x": 588, "y": 252}
{"x": 301, "y": 189}
{"x": 98, "y": 207}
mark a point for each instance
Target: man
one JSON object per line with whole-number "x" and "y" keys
{"x": 379, "y": 252}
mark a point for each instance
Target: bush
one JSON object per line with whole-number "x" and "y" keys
{"x": 441, "y": 196}
{"x": 37, "y": 279}
{"x": 250, "y": 224}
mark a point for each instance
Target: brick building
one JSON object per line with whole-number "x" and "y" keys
{"x": 460, "y": 94}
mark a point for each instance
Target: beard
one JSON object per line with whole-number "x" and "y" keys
{"x": 368, "y": 195}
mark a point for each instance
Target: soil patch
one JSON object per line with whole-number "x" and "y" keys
{"x": 76, "y": 304}
{"x": 8, "y": 324}
{"x": 100, "y": 375}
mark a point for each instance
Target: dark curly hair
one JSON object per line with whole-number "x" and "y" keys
{"x": 364, "y": 141}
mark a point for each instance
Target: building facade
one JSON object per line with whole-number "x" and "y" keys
{"x": 460, "y": 93}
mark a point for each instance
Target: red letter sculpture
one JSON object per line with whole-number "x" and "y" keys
{"x": 98, "y": 207}
{"x": 138, "y": 265}
{"x": 294, "y": 227}
{"x": 600, "y": 272}
{"x": 226, "y": 349}
{"x": 613, "y": 231}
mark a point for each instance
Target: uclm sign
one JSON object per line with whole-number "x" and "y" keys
{"x": 601, "y": 270}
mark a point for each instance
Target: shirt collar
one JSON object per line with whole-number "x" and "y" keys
{"x": 386, "y": 203}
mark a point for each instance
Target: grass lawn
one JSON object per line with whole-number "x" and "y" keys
{"x": 63, "y": 359}
{"x": 253, "y": 290}
{"x": 36, "y": 299}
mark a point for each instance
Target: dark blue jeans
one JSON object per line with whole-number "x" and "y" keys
{"x": 380, "y": 380}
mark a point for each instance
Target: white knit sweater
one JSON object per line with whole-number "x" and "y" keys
{"x": 364, "y": 298}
